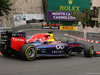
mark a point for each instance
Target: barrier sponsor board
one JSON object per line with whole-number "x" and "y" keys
{"x": 68, "y": 5}
{"x": 21, "y": 19}
{"x": 45, "y": 27}
{"x": 59, "y": 15}
{"x": 68, "y": 28}
{"x": 35, "y": 16}
{"x": 59, "y": 11}
{"x": 50, "y": 27}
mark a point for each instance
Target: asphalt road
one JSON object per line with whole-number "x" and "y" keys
{"x": 74, "y": 65}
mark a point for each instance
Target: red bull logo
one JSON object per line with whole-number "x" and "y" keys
{"x": 40, "y": 36}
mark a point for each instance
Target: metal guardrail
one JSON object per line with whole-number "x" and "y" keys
{"x": 93, "y": 36}
{"x": 23, "y": 27}
{"x": 76, "y": 33}
{"x": 90, "y": 36}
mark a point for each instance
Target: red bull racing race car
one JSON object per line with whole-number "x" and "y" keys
{"x": 40, "y": 44}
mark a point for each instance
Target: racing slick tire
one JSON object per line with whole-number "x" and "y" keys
{"x": 89, "y": 50}
{"x": 28, "y": 52}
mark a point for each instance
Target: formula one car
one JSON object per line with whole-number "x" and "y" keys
{"x": 40, "y": 44}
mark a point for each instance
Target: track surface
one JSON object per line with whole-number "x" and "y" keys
{"x": 74, "y": 65}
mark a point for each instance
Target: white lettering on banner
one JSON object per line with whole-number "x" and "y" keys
{"x": 58, "y": 13}
{"x": 61, "y": 13}
{"x": 63, "y": 17}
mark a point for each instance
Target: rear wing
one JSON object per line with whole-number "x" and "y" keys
{"x": 17, "y": 40}
{"x": 6, "y": 37}
{"x": 13, "y": 39}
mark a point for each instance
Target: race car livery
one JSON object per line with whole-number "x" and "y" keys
{"x": 40, "y": 44}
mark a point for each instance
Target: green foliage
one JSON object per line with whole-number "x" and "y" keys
{"x": 82, "y": 17}
{"x": 85, "y": 16}
{"x": 44, "y": 2}
{"x": 5, "y": 7}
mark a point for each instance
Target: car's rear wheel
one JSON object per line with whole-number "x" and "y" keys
{"x": 28, "y": 52}
{"x": 89, "y": 50}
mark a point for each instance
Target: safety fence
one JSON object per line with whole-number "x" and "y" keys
{"x": 85, "y": 35}
{"x": 91, "y": 36}
{"x": 76, "y": 33}
{"x": 23, "y": 27}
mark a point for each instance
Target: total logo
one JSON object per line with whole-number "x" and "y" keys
{"x": 60, "y": 47}
{"x": 17, "y": 39}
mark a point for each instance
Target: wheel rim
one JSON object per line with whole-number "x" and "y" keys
{"x": 92, "y": 50}
{"x": 31, "y": 52}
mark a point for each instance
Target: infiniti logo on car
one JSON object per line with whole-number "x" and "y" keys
{"x": 60, "y": 47}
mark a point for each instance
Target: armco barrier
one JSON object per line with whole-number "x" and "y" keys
{"x": 85, "y": 35}
{"x": 90, "y": 36}
{"x": 93, "y": 41}
{"x": 23, "y": 27}
{"x": 76, "y": 33}
{"x": 93, "y": 36}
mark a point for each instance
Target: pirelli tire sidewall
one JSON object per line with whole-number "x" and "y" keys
{"x": 24, "y": 52}
{"x": 89, "y": 50}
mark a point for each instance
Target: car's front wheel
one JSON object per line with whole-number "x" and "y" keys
{"x": 89, "y": 50}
